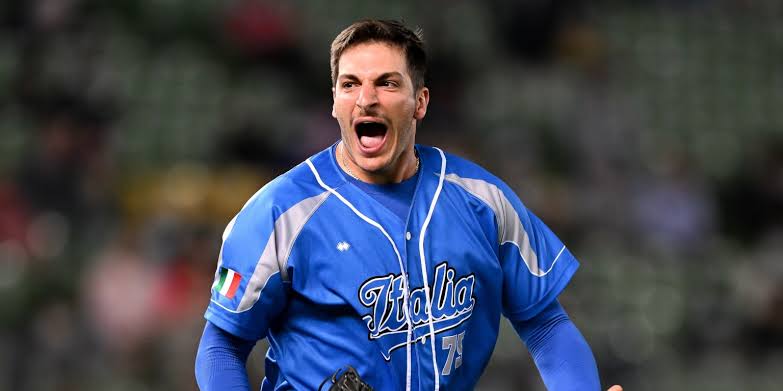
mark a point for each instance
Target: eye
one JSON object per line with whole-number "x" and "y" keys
{"x": 348, "y": 84}
{"x": 389, "y": 83}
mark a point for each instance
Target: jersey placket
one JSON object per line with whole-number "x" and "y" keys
{"x": 413, "y": 280}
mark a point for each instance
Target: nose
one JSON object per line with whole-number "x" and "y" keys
{"x": 367, "y": 98}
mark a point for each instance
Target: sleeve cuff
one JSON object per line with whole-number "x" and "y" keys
{"x": 230, "y": 327}
{"x": 557, "y": 288}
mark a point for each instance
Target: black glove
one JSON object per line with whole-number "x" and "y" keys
{"x": 346, "y": 380}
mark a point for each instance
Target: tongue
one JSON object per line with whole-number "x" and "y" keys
{"x": 371, "y": 141}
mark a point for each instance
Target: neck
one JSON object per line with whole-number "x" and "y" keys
{"x": 406, "y": 166}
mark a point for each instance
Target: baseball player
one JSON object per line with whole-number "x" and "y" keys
{"x": 382, "y": 264}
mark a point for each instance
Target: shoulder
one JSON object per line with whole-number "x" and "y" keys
{"x": 285, "y": 191}
{"x": 295, "y": 189}
{"x": 469, "y": 175}
{"x": 465, "y": 168}
{"x": 482, "y": 188}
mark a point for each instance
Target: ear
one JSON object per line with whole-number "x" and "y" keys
{"x": 334, "y": 113}
{"x": 422, "y": 100}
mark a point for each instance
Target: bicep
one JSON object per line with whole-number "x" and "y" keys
{"x": 221, "y": 358}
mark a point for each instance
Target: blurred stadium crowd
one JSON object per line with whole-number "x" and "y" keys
{"x": 647, "y": 134}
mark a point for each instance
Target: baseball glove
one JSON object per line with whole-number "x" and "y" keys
{"x": 345, "y": 380}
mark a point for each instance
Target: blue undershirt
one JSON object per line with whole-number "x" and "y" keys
{"x": 396, "y": 197}
{"x": 220, "y": 361}
{"x": 561, "y": 353}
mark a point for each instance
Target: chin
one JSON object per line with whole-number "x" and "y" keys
{"x": 374, "y": 165}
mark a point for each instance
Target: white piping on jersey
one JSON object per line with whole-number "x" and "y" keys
{"x": 428, "y": 303}
{"x": 510, "y": 227}
{"x": 406, "y": 289}
{"x": 556, "y": 258}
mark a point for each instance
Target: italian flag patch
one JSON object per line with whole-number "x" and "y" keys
{"x": 227, "y": 283}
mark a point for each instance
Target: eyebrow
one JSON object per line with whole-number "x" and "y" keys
{"x": 382, "y": 76}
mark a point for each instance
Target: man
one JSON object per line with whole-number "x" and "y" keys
{"x": 385, "y": 256}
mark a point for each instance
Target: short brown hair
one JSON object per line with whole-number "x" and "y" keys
{"x": 387, "y": 31}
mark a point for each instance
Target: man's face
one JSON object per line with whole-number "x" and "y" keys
{"x": 377, "y": 109}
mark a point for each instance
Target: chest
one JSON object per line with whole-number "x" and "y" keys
{"x": 366, "y": 259}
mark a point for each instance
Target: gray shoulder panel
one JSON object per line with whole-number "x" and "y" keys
{"x": 274, "y": 258}
{"x": 510, "y": 228}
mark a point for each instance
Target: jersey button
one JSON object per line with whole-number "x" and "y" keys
{"x": 408, "y": 235}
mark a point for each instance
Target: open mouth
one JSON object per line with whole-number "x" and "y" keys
{"x": 370, "y": 134}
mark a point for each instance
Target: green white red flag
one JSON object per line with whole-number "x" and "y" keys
{"x": 227, "y": 283}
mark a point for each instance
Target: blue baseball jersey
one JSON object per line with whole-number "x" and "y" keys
{"x": 332, "y": 278}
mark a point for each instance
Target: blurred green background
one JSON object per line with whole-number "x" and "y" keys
{"x": 647, "y": 134}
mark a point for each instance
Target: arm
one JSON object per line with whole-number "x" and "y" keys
{"x": 561, "y": 354}
{"x": 220, "y": 361}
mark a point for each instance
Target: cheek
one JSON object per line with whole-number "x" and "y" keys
{"x": 341, "y": 111}
{"x": 338, "y": 108}
{"x": 343, "y": 103}
{"x": 404, "y": 110}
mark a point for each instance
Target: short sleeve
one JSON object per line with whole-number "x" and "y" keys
{"x": 249, "y": 289}
{"x": 536, "y": 265}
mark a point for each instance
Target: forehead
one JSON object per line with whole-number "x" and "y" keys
{"x": 366, "y": 59}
